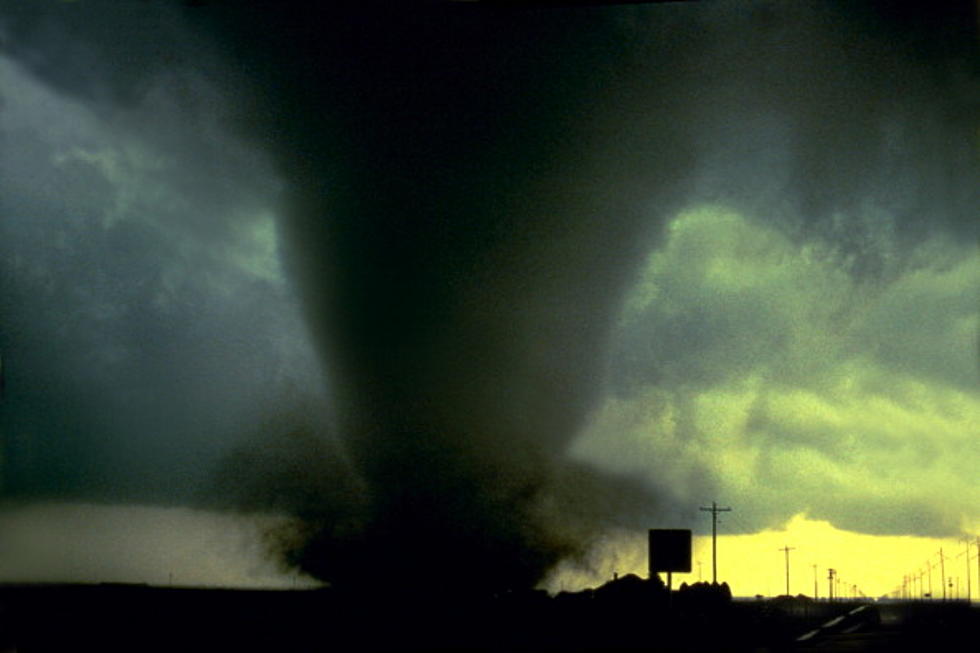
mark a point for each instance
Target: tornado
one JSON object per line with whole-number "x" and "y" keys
{"x": 462, "y": 216}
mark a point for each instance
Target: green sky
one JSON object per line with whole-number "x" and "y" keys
{"x": 792, "y": 374}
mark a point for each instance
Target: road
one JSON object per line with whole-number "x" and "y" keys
{"x": 895, "y": 627}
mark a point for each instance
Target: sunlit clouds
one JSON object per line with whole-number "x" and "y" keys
{"x": 765, "y": 362}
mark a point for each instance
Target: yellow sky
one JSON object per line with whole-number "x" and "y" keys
{"x": 755, "y": 564}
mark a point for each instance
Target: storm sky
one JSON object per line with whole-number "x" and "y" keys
{"x": 512, "y": 277}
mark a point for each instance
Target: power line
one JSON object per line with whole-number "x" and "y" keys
{"x": 714, "y": 510}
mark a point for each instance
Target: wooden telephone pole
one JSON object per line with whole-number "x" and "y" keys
{"x": 714, "y": 510}
{"x": 942, "y": 571}
{"x": 786, "y": 550}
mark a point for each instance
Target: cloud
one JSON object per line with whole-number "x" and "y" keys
{"x": 77, "y": 542}
{"x": 796, "y": 383}
{"x": 146, "y": 318}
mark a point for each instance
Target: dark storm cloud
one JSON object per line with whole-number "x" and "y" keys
{"x": 142, "y": 315}
{"x": 110, "y": 54}
{"x": 468, "y": 192}
{"x": 822, "y": 109}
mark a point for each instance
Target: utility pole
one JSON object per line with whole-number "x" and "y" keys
{"x": 815, "y": 597}
{"x": 929, "y": 570}
{"x": 969, "y": 592}
{"x": 830, "y": 584}
{"x": 942, "y": 571}
{"x": 714, "y": 510}
{"x": 786, "y": 550}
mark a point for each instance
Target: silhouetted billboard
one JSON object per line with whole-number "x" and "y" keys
{"x": 670, "y": 550}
